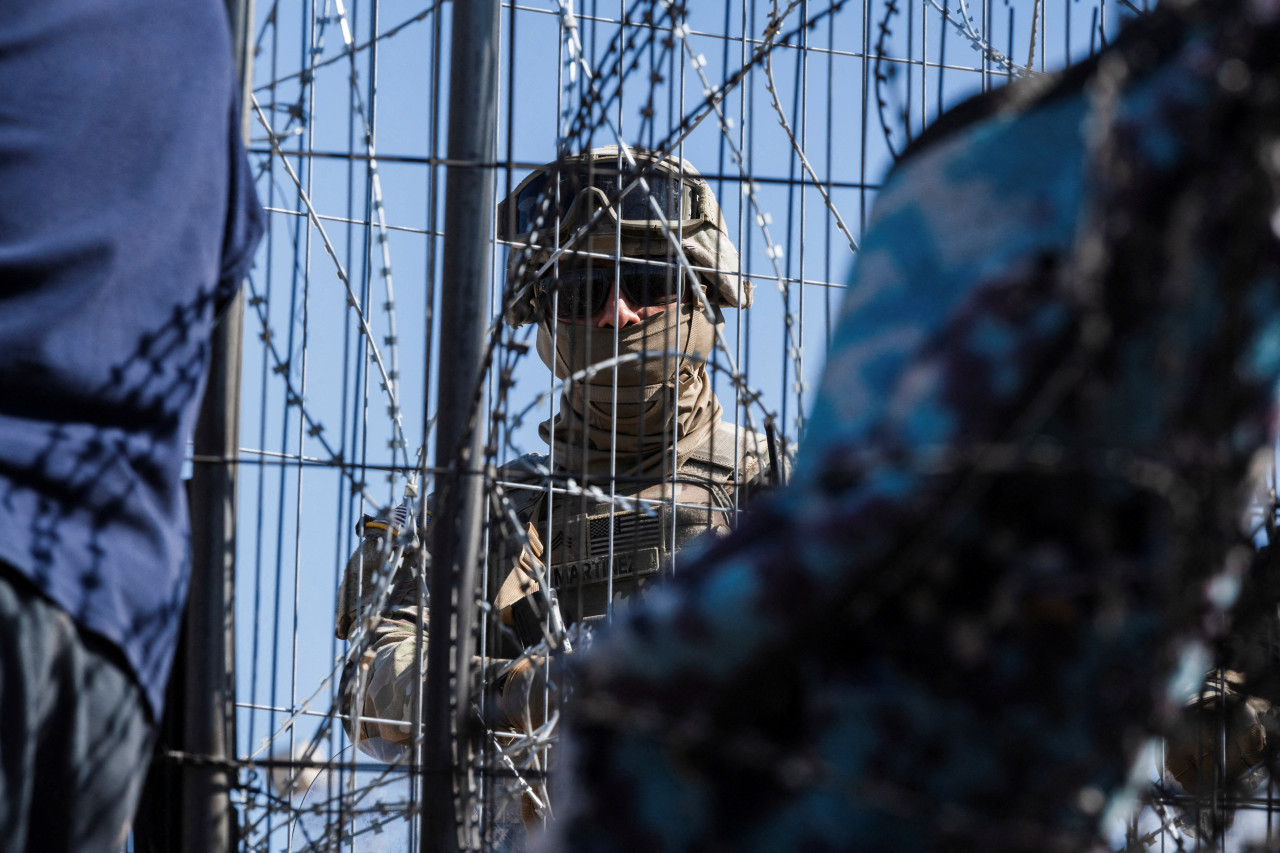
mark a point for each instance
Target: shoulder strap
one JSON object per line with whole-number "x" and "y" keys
{"x": 730, "y": 445}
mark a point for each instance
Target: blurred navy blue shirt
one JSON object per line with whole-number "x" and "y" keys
{"x": 127, "y": 221}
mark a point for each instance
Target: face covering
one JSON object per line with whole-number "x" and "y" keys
{"x": 662, "y": 394}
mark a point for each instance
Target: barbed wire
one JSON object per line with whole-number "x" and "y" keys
{"x": 353, "y": 301}
{"x": 776, "y": 101}
{"x": 965, "y": 27}
{"x": 651, "y": 40}
{"x": 350, "y": 49}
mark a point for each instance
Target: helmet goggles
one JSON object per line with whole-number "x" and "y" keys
{"x": 578, "y": 294}
{"x": 569, "y": 194}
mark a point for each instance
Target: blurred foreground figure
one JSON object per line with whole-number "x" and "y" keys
{"x": 1057, "y": 355}
{"x": 127, "y": 220}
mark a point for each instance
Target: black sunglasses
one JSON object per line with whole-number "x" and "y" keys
{"x": 579, "y": 293}
{"x": 546, "y": 199}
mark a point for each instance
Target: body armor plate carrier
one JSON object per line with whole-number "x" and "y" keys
{"x": 599, "y": 552}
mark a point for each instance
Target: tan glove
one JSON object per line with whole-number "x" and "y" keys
{"x": 1220, "y": 718}
{"x": 523, "y": 698}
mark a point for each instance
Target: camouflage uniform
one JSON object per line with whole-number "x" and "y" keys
{"x": 599, "y": 549}
{"x": 1057, "y": 354}
{"x": 597, "y": 552}
{"x": 587, "y": 537}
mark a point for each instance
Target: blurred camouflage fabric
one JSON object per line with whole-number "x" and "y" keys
{"x": 1056, "y": 357}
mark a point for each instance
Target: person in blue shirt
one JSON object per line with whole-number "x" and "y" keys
{"x": 1057, "y": 355}
{"x": 127, "y": 221}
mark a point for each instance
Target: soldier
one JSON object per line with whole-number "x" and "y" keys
{"x": 623, "y": 261}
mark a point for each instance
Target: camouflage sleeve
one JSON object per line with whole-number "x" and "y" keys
{"x": 369, "y": 581}
{"x": 1054, "y": 361}
{"x": 356, "y": 592}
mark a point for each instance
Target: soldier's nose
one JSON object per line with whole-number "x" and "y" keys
{"x": 627, "y": 313}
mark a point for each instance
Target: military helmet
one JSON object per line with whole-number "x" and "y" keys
{"x": 580, "y": 205}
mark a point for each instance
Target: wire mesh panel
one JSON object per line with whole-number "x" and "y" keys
{"x": 686, "y": 188}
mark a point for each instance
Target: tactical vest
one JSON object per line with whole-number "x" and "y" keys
{"x": 597, "y": 552}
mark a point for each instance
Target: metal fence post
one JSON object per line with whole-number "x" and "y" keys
{"x": 448, "y": 785}
{"x": 188, "y": 806}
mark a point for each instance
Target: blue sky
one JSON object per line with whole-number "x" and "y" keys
{"x": 310, "y": 388}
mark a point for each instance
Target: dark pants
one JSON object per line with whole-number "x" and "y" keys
{"x": 75, "y": 734}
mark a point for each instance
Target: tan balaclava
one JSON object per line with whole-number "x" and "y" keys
{"x": 663, "y": 392}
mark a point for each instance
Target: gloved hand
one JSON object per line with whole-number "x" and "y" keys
{"x": 520, "y": 700}
{"x": 1220, "y": 719}
{"x": 524, "y": 698}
